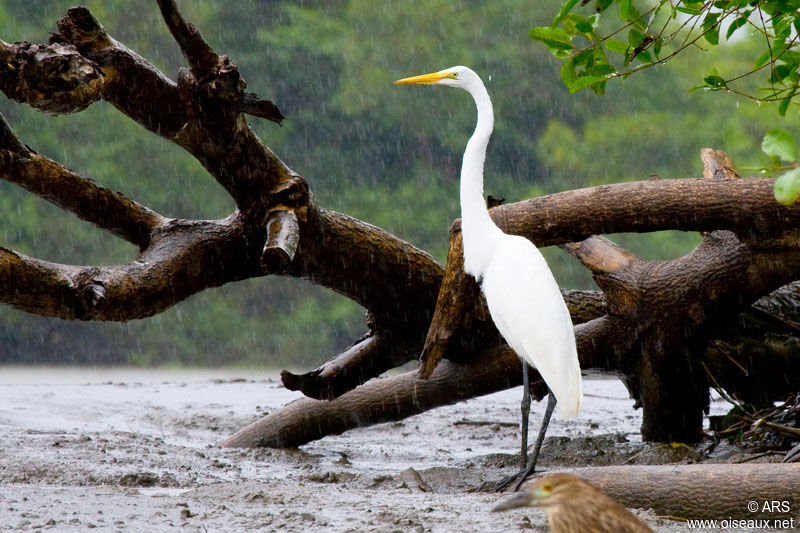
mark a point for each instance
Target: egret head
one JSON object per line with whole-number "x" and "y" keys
{"x": 457, "y": 76}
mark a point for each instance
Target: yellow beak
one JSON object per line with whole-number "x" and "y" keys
{"x": 433, "y": 77}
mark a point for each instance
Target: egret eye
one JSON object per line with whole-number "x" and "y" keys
{"x": 547, "y": 487}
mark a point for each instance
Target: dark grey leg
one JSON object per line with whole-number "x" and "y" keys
{"x": 548, "y": 413}
{"x": 525, "y": 408}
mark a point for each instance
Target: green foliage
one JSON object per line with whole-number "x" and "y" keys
{"x": 780, "y": 146}
{"x": 662, "y": 29}
{"x": 787, "y": 187}
{"x": 388, "y": 155}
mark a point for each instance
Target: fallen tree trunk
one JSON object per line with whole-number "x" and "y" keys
{"x": 703, "y": 491}
{"x": 381, "y": 400}
{"x": 394, "y": 398}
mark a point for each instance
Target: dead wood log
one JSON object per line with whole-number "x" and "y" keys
{"x": 381, "y": 400}
{"x": 702, "y": 491}
{"x": 372, "y": 355}
{"x": 283, "y": 233}
{"x": 395, "y": 398}
{"x": 457, "y": 292}
{"x": 53, "y": 78}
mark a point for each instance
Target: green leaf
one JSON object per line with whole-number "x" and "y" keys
{"x": 644, "y": 56}
{"x": 565, "y": 9}
{"x": 715, "y": 81}
{"x": 579, "y": 25}
{"x": 735, "y": 25}
{"x": 598, "y": 88}
{"x": 657, "y": 46}
{"x": 784, "y": 105}
{"x": 780, "y": 72}
{"x": 617, "y": 47}
{"x": 763, "y": 58}
{"x": 710, "y": 28}
{"x": 628, "y": 13}
{"x": 690, "y": 10}
{"x": 787, "y": 187}
{"x": 602, "y": 70}
{"x": 779, "y": 144}
{"x": 555, "y": 39}
{"x": 602, "y": 5}
{"x": 588, "y": 25}
{"x": 782, "y": 27}
{"x": 575, "y": 81}
{"x": 635, "y": 38}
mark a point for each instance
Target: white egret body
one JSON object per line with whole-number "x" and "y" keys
{"x": 523, "y": 297}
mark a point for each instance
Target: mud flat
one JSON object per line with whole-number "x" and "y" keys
{"x": 133, "y": 450}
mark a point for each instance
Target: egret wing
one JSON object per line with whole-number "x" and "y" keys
{"x": 529, "y": 311}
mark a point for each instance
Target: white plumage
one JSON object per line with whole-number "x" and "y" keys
{"x": 529, "y": 312}
{"x": 523, "y": 297}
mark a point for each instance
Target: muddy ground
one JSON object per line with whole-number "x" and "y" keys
{"x": 128, "y": 450}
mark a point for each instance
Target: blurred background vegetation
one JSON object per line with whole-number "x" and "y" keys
{"x": 384, "y": 154}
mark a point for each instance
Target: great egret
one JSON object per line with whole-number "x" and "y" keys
{"x": 572, "y": 505}
{"x": 523, "y": 297}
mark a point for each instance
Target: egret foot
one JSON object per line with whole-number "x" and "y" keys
{"x": 529, "y": 468}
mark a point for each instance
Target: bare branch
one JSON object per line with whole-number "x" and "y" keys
{"x": 103, "y": 207}
{"x": 202, "y": 59}
{"x": 382, "y": 400}
{"x": 202, "y": 114}
{"x": 458, "y": 293}
{"x": 257, "y": 107}
{"x": 369, "y": 357}
{"x": 717, "y": 165}
{"x": 673, "y": 490}
{"x": 600, "y": 255}
{"x": 131, "y": 83}
{"x": 55, "y": 78}
{"x": 283, "y": 233}
{"x": 401, "y": 396}
{"x": 9, "y": 142}
{"x": 746, "y": 207}
{"x": 167, "y": 272}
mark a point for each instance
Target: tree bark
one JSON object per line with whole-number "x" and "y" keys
{"x": 701, "y": 492}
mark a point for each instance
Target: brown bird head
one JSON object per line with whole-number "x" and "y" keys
{"x": 573, "y": 505}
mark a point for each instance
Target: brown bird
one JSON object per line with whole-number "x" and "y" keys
{"x": 575, "y": 506}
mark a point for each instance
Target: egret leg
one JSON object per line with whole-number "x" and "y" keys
{"x": 529, "y": 468}
{"x": 525, "y": 408}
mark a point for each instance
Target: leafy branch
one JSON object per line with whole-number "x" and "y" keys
{"x": 668, "y": 28}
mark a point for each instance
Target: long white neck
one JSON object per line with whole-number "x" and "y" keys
{"x": 479, "y": 232}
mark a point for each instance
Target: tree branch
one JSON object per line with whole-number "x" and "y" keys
{"x": 44, "y": 177}
{"x": 746, "y": 207}
{"x": 600, "y": 255}
{"x": 202, "y": 115}
{"x": 283, "y": 233}
{"x": 675, "y": 490}
{"x": 401, "y": 396}
{"x": 55, "y": 78}
{"x": 202, "y": 59}
{"x": 183, "y": 258}
{"x": 458, "y": 294}
{"x": 369, "y": 357}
